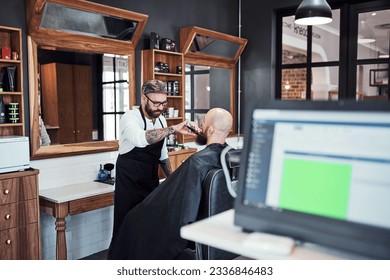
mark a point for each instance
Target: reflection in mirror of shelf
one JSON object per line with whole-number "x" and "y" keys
{"x": 68, "y": 19}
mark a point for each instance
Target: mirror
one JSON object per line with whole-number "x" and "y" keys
{"x": 210, "y": 58}
{"x": 50, "y": 33}
{"x": 206, "y": 88}
{"x": 81, "y": 96}
{"x": 67, "y": 19}
{"x": 213, "y": 46}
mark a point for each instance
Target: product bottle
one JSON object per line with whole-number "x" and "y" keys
{"x": 2, "y": 110}
{"x": 102, "y": 175}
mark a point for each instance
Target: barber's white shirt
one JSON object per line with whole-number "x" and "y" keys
{"x": 132, "y": 133}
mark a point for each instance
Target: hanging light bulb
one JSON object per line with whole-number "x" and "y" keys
{"x": 313, "y": 12}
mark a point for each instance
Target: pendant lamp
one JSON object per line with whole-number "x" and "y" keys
{"x": 313, "y": 12}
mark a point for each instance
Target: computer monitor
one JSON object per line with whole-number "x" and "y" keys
{"x": 318, "y": 172}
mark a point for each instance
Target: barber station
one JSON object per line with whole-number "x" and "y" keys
{"x": 194, "y": 130}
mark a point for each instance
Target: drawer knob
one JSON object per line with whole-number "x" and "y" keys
{"x": 8, "y": 216}
{"x": 6, "y": 192}
{"x": 8, "y": 241}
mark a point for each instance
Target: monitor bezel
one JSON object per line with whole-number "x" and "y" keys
{"x": 360, "y": 239}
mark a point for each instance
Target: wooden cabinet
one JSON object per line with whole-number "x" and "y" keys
{"x": 176, "y": 158}
{"x": 11, "y": 41}
{"x": 19, "y": 216}
{"x": 173, "y": 61}
{"x": 68, "y": 114}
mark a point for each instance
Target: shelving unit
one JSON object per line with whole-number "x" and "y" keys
{"x": 11, "y": 38}
{"x": 150, "y": 58}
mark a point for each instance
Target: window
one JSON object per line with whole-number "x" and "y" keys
{"x": 372, "y": 65}
{"x": 309, "y": 64}
{"x": 316, "y": 63}
{"x": 197, "y": 92}
{"x": 115, "y": 95}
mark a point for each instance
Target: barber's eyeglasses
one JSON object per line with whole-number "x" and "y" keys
{"x": 156, "y": 103}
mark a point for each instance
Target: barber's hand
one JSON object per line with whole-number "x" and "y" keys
{"x": 183, "y": 129}
{"x": 192, "y": 126}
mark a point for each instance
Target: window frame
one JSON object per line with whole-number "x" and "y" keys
{"x": 116, "y": 113}
{"x": 192, "y": 73}
{"x": 348, "y": 60}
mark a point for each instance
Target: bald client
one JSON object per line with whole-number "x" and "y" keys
{"x": 151, "y": 230}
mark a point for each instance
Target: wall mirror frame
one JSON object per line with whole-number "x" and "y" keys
{"x": 70, "y": 41}
{"x": 193, "y": 35}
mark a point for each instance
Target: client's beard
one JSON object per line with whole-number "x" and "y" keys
{"x": 201, "y": 139}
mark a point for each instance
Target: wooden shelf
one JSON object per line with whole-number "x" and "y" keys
{"x": 17, "y": 61}
{"x": 11, "y": 124}
{"x": 174, "y": 59}
{"x": 12, "y": 38}
{"x": 11, "y": 93}
{"x": 167, "y": 74}
{"x": 175, "y": 96}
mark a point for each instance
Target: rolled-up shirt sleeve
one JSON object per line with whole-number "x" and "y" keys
{"x": 131, "y": 131}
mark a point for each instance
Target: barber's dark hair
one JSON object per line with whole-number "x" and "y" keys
{"x": 154, "y": 86}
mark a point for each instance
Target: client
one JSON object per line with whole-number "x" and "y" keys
{"x": 151, "y": 230}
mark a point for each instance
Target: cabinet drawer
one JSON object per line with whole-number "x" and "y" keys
{"x": 18, "y": 189}
{"x": 20, "y": 243}
{"x": 18, "y": 214}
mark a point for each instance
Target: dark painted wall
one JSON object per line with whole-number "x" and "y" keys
{"x": 166, "y": 17}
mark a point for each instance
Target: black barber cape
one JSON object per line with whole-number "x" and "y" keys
{"x": 151, "y": 230}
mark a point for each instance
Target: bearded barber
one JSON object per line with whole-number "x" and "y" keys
{"x": 142, "y": 147}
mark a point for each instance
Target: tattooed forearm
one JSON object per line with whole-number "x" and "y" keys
{"x": 155, "y": 135}
{"x": 166, "y": 166}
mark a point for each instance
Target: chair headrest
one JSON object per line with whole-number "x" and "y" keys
{"x": 233, "y": 158}
{"x": 230, "y": 160}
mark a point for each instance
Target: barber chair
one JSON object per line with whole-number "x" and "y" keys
{"x": 218, "y": 193}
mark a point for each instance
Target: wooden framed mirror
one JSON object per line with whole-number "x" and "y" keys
{"x": 76, "y": 29}
{"x": 210, "y": 59}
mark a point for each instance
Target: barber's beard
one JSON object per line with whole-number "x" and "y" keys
{"x": 201, "y": 139}
{"x": 152, "y": 113}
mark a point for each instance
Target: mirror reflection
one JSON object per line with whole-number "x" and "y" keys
{"x": 214, "y": 46}
{"x": 68, "y": 19}
{"x": 206, "y": 87}
{"x": 81, "y": 96}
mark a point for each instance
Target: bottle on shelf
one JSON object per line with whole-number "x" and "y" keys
{"x": 2, "y": 110}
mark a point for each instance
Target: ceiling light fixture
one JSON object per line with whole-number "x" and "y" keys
{"x": 313, "y": 12}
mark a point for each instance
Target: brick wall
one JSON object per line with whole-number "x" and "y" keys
{"x": 293, "y": 83}
{"x": 293, "y": 80}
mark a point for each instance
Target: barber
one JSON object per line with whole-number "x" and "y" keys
{"x": 142, "y": 147}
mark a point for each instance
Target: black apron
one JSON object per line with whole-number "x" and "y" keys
{"x": 136, "y": 176}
